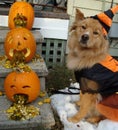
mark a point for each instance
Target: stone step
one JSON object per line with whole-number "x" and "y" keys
{"x": 37, "y": 35}
{"x": 44, "y": 121}
{"x": 38, "y": 66}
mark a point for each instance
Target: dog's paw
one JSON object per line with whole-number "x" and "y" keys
{"x": 78, "y": 103}
{"x": 73, "y": 119}
{"x": 94, "y": 120}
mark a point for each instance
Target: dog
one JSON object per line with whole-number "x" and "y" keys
{"x": 87, "y": 47}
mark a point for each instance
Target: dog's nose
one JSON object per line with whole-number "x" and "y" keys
{"x": 84, "y": 38}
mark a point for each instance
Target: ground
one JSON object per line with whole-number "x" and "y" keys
{"x": 59, "y": 77}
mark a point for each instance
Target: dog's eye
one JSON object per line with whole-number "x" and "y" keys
{"x": 83, "y": 27}
{"x": 95, "y": 33}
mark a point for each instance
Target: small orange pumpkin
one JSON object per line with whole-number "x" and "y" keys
{"x": 21, "y": 13}
{"x": 22, "y": 40}
{"x": 26, "y": 83}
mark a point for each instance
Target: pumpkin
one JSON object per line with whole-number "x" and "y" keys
{"x": 21, "y": 13}
{"x": 26, "y": 83}
{"x": 20, "y": 40}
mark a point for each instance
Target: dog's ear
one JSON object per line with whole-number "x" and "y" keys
{"x": 79, "y": 15}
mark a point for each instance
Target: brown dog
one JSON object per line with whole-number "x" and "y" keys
{"x": 87, "y": 46}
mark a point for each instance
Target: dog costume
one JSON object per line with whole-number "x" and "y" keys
{"x": 104, "y": 73}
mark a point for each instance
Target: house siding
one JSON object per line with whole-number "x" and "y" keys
{"x": 91, "y": 8}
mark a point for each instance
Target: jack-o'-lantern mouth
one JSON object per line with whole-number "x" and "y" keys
{"x": 19, "y": 110}
{"x": 20, "y": 98}
{"x": 20, "y": 20}
{"x": 25, "y": 52}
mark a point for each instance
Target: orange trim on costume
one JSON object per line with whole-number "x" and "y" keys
{"x": 114, "y": 9}
{"x": 105, "y": 19}
{"x": 109, "y": 112}
{"x": 110, "y": 63}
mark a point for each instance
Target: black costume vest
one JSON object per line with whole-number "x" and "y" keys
{"x": 104, "y": 73}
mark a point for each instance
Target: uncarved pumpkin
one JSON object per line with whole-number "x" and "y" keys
{"x": 22, "y": 40}
{"x": 21, "y": 13}
{"x": 26, "y": 83}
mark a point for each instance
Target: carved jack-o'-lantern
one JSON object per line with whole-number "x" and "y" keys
{"x": 21, "y": 14}
{"x": 26, "y": 83}
{"x": 20, "y": 40}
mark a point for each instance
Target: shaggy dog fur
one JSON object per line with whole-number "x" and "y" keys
{"x": 87, "y": 46}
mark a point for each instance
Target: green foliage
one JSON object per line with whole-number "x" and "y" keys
{"x": 59, "y": 78}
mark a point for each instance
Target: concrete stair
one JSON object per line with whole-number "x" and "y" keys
{"x": 45, "y": 120}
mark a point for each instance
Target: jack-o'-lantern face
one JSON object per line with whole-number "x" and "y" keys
{"x": 20, "y": 40}
{"x": 26, "y": 83}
